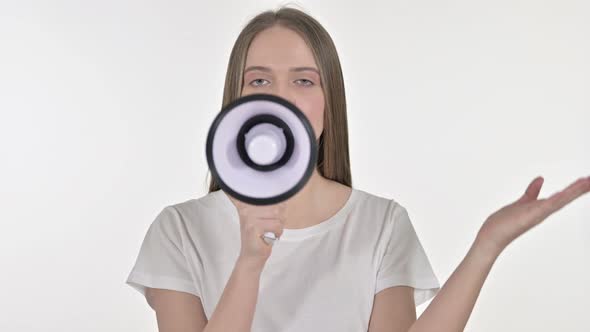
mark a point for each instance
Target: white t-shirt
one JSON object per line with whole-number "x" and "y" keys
{"x": 319, "y": 278}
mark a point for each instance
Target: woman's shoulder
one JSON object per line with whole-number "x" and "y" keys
{"x": 373, "y": 199}
{"x": 366, "y": 202}
{"x": 213, "y": 202}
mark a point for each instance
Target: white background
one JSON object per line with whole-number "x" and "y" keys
{"x": 454, "y": 107}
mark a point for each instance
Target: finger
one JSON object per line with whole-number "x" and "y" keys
{"x": 282, "y": 211}
{"x": 240, "y": 205}
{"x": 282, "y": 208}
{"x": 272, "y": 211}
{"x": 277, "y": 209}
{"x": 532, "y": 191}
{"x": 258, "y": 210}
{"x": 564, "y": 197}
{"x": 280, "y": 221}
{"x": 271, "y": 226}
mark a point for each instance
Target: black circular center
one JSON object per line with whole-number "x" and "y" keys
{"x": 256, "y": 120}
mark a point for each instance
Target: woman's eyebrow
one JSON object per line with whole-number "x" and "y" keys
{"x": 293, "y": 69}
{"x": 299, "y": 69}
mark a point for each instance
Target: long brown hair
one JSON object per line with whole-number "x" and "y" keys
{"x": 333, "y": 157}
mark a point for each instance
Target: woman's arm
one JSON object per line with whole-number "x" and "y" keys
{"x": 451, "y": 308}
{"x": 178, "y": 311}
{"x": 235, "y": 309}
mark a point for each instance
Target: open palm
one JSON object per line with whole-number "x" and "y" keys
{"x": 511, "y": 221}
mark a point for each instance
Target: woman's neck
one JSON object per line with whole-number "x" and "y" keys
{"x": 302, "y": 206}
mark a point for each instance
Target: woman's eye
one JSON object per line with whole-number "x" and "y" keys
{"x": 306, "y": 82}
{"x": 257, "y": 82}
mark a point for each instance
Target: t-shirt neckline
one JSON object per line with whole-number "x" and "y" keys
{"x": 303, "y": 233}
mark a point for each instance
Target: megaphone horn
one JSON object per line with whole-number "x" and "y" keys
{"x": 261, "y": 149}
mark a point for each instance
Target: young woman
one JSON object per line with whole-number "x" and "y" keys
{"x": 346, "y": 260}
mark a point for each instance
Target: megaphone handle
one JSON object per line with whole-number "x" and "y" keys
{"x": 269, "y": 237}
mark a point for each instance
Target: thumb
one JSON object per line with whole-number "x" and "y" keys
{"x": 532, "y": 191}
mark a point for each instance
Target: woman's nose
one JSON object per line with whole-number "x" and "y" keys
{"x": 285, "y": 93}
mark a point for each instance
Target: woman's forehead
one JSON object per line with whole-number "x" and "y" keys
{"x": 279, "y": 47}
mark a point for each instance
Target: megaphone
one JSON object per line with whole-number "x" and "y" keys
{"x": 261, "y": 149}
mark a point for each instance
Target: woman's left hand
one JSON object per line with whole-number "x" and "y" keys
{"x": 511, "y": 221}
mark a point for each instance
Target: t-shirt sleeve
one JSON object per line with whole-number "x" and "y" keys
{"x": 161, "y": 262}
{"x": 405, "y": 262}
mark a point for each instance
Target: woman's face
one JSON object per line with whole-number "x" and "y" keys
{"x": 280, "y": 63}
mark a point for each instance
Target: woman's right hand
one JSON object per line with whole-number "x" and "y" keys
{"x": 256, "y": 220}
